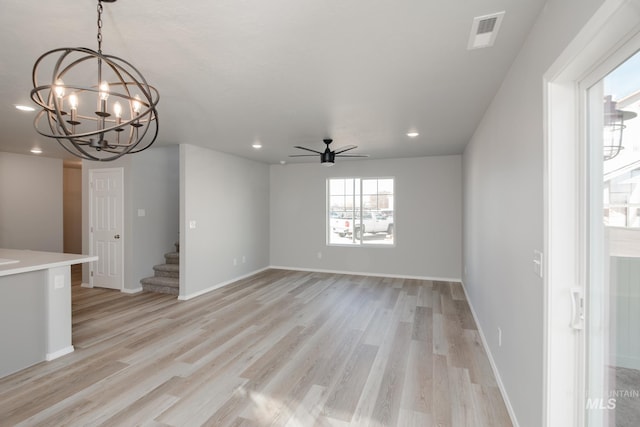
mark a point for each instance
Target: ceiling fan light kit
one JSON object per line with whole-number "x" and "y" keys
{"x": 97, "y": 106}
{"x": 328, "y": 159}
{"x": 328, "y": 156}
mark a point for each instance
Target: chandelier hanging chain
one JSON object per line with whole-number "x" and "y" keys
{"x": 99, "y": 37}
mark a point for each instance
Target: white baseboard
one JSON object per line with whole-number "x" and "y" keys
{"x": 123, "y": 290}
{"x": 275, "y": 267}
{"x": 494, "y": 367}
{"x": 51, "y": 356}
{"x": 219, "y": 285}
{"x": 357, "y": 273}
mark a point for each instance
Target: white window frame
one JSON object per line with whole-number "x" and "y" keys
{"x": 360, "y": 243}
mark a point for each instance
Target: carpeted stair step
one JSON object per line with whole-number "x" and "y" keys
{"x": 172, "y": 258}
{"x": 165, "y": 285}
{"x": 167, "y": 270}
{"x": 166, "y": 276}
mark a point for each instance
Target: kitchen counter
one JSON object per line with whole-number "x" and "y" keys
{"x": 35, "y": 306}
{"x": 13, "y": 261}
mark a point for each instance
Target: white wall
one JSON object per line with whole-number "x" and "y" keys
{"x": 156, "y": 190}
{"x": 228, "y": 199}
{"x": 428, "y": 205}
{"x": 30, "y": 202}
{"x": 503, "y": 210}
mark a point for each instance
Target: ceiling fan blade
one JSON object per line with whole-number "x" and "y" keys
{"x": 303, "y": 155}
{"x": 345, "y": 148}
{"x": 352, "y": 155}
{"x": 308, "y": 149}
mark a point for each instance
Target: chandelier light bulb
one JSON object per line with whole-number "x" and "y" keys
{"x": 73, "y": 105}
{"x": 117, "y": 109}
{"x": 137, "y": 104}
{"x": 73, "y": 101}
{"x": 59, "y": 89}
{"x": 104, "y": 90}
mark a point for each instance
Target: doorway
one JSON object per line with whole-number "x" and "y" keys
{"x": 72, "y": 214}
{"x": 106, "y": 229}
{"x": 612, "y": 344}
{"x": 582, "y": 275}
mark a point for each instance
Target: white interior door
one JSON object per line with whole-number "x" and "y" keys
{"x": 106, "y": 227}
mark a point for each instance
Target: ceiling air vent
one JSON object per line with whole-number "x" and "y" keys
{"x": 484, "y": 30}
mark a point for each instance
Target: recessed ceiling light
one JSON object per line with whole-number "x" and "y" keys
{"x": 257, "y": 145}
{"x": 25, "y": 108}
{"x": 36, "y": 151}
{"x": 412, "y": 134}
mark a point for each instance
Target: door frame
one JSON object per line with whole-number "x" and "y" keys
{"x": 120, "y": 171}
{"x": 606, "y": 36}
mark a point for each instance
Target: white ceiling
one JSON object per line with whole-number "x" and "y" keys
{"x": 282, "y": 72}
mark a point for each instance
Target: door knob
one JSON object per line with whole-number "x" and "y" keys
{"x": 117, "y": 236}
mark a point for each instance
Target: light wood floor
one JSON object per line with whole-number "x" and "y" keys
{"x": 280, "y": 348}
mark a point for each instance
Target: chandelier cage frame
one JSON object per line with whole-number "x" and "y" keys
{"x": 98, "y": 135}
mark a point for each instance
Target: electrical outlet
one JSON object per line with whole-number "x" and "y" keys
{"x": 319, "y": 255}
{"x": 58, "y": 281}
{"x": 244, "y": 259}
{"x": 499, "y": 337}
{"x": 235, "y": 261}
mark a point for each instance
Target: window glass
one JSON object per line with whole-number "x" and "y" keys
{"x": 360, "y": 211}
{"x": 613, "y": 299}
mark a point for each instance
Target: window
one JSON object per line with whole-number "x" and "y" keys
{"x": 360, "y": 211}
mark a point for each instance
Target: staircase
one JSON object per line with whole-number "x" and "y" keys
{"x": 166, "y": 277}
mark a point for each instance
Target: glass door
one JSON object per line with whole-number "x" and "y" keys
{"x": 613, "y": 283}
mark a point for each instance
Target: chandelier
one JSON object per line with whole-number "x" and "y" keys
{"x": 614, "y": 126}
{"x": 99, "y": 107}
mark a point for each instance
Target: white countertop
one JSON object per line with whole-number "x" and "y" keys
{"x": 16, "y": 261}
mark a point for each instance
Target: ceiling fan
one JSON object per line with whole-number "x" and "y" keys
{"x": 327, "y": 157}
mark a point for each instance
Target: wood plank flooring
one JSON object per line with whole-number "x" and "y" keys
{"x": 281, "y": 348}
